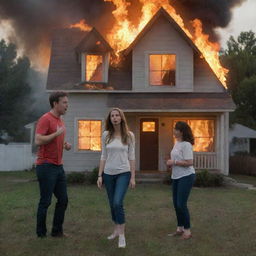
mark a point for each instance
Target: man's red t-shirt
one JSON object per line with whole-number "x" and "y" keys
{"x": 51, "y": 152}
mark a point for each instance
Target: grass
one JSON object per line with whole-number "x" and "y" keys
{"x": 222, "y": 220}
{"x": 244, "y": 179}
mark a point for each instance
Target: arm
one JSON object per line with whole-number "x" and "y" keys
{"x": 45, "y": 139}
{"x": 131, "y": 155}
{"x": 102, "y": 160}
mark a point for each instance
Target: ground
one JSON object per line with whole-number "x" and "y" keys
{"x": 222, "y": 221}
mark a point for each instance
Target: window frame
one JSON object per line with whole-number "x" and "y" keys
{"x": 148, "y": 69}
{"x": 215, "y": 139}
{"x": 76, "y": 137}
{"x": 105, "y": 67}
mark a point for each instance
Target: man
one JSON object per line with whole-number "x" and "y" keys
{"x": 50, "y": 133}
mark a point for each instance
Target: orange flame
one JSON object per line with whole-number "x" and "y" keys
{"x": 94, "y": 67}
{"x": 124, "y": 32}
{"x": 82, "y": 25}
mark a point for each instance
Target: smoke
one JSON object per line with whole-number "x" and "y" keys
{"x": 34, "y": 20}
{"x": 212, "y": 13}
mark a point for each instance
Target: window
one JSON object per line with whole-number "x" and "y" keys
{"x": 162, "y": 69}
{"x": 203, "y": 131}
{"x": 94, "y": 68}
{"x": 89, "y": 135}
{"x": 148, "y": 126}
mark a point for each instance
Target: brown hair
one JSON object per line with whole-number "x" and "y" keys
{"x": 55, "y": 97}
{"x": 186, "y": 131}
{"x": 125, "y": 134}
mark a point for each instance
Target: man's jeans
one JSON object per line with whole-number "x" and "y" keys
{"x": 51, "y": 180}
{"x": 116, "y": 186}
{"x": 180, "y": 192}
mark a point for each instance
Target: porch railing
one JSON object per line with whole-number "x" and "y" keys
{"x": 205, "y": 160}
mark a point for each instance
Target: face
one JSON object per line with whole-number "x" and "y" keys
{"x": 177, "y": 134}
{"x": 115, "y": 117}
{"x": 61, "y": 106}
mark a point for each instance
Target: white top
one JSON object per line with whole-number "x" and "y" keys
{"x": 117, "y": 155}
{"x": 182, "y": 150}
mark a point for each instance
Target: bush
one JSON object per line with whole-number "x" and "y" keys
{"x": 242, "y": 164}
{"x": 83, "y": 177}
{"x": 91, "y": 177}
{"x": 76, "y": 177}
{"x": 205, "y": 178}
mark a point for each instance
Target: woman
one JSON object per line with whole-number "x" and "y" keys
{"x": 117, "y": 168}
{"x": 183, "y": 176}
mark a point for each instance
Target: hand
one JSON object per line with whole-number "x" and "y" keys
{"x": 132, "y": 183}
{"x": 170, "y": 162}
{"x": 99, "y": 182}
{"x": 60, "y": 130}
{"x": 67, "y": 146}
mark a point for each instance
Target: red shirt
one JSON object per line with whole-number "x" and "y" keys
{"x": 51, "y": 152}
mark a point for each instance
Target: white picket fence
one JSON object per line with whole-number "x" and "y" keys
{"x": 16, "y": 157}
{"x": 205, "y": 160}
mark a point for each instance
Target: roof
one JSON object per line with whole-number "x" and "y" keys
{"x": 161, "y": 12}
{"x": 169, "y": 102}
{"x": 241, "y": 131}
{"x": 93, "y": 42}
{"x": 65, "y": 70}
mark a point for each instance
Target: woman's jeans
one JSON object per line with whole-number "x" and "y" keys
{"x": 52, "y": 180}
{"x": 116, "y": 186}
{"x": 180, "y": 191}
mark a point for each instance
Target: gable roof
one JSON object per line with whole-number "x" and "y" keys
{"x": 160, "y": 13}
{"x": 93, "y": 42}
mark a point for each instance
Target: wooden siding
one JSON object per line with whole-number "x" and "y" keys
{"x": 204, "y": 78}
{"x": 83, "y": 106}
{"x": 162, "y": 39}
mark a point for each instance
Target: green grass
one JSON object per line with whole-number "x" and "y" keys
{"x": 222, "y": 221}
{"x": 244, "y": 179}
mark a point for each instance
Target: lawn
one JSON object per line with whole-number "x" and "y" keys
{"x": 222, "y": 220}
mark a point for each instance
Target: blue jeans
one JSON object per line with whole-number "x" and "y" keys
{"x": 180, "y": 192}
{"x": 116, "y": 186}
{"x": 51, "y": 180}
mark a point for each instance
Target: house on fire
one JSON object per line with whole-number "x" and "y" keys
{"x": 161, "y": 80}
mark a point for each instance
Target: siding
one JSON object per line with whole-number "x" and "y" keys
{"x": 204, "y": 78}
{"x": 84, "y": 106}
{"x": 163, "y": 39}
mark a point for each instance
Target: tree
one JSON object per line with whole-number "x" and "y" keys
{"x": 240, "y": 59}
{"x": 14, "y": 91}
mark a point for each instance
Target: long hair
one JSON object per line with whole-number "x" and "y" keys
{"x": 125, "y": 135}
{"x": 186, "y": 131}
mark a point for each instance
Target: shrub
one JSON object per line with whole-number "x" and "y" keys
{"x": 206, "y": 178}
{"x": 76, "y": 177}
{"x": 242, "y": 164}
{"x": 91, "y": 177}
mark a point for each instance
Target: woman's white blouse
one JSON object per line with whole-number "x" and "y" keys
{"x": 182, "y": 150}
{"x": 117, "y": 155}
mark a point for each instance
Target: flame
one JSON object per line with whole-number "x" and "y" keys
{"x": 94, "y": 67}
{"x": 124, "y": 32}
{"x": 82, "y": 25}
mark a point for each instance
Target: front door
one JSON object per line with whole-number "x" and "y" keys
{"x": 149, "y": 144}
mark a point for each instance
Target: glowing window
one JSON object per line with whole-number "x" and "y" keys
{"x": 148, "y": 126}
{"x": 162, "y": 69}
{"x": 203, "y": 131}
{"x": 94, "y": 68}
{"x": 89, "y": 135}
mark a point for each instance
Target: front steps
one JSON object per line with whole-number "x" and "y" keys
{"x": 151, "y": 177}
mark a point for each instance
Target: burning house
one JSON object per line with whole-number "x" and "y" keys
{"x": 158, "y": 74}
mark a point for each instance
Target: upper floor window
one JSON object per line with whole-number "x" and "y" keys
{"x": 162, "y": 69}
{"x": 94, "y": 68}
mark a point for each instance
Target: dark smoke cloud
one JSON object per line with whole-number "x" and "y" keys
{"x": 213, "y": 13}
{"x": 34, "y": 20}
